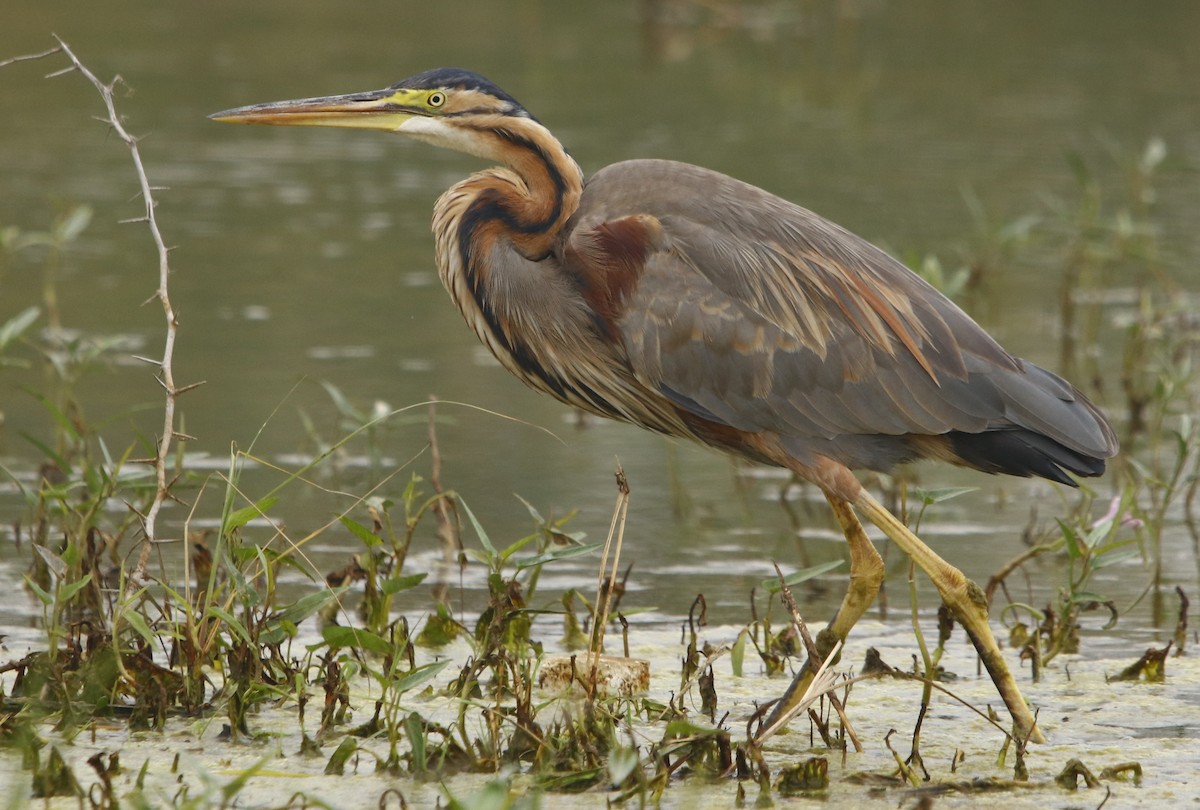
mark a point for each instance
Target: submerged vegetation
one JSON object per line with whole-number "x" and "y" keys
{"x": 232, "y": 626}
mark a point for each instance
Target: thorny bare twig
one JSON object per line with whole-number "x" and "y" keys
{"x": 29, "y": 57}
{"x": 166, "y": 376}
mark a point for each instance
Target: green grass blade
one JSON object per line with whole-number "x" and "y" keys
{"x": 772, "y": 585}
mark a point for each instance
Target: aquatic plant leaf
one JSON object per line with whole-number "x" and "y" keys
{"x": 241, "y": 517}
{"x": 230, "y": 621}
{"x": 484, "y": 540}
{"x": 419, "y": 676}
{"x": 1098, "y": 532}
{"x": 59, "y": 461}
{"x": 397, "y": 584}
{"x": 737, "y": 655}
{"x": 621, "y": 763}
{"x": 241, "y": 586}
{"x": 68, "y": 591}
{"x": 73, "y": 224}
{"x": 534, "y": 513}
{"x": 517, "y": 546}
{"x": 368, "y": 537}
{"x": 234, "y": 786}
{"x": 64, "y": 422}
{"x": 343, "y": 405}
{"x": 1114, "y": 557}
{"x": 796, "y": 577}
{"x": 15, "y": 326}
{"x": 138, "y": 623}
{"x": 54, "y": 562}
{"x": 54, "y": 779}
{"x": 99, "y": 676}
{"x": 70, "y": 555}
{"x": 809, "y": 775}
{"x": 336, "y": 635}
{"x": 306, "y": 606}
{"x": 558, "y": 554}
{"x": 440, "y": 628}
{"x": 43, "y": 597}
{"x": 414, "y": 727}
{"x": 575, "y": 781}
{"x": 1154, "y": 154}
{"x": 931, "y": 496}
{"x": 1074, "y": 548}
{"x": 337, "y": 762}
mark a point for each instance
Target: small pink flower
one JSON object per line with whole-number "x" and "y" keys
{"x": 1114, "y": 508}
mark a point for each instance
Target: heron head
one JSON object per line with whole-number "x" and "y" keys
{"x": 448, "y": 107}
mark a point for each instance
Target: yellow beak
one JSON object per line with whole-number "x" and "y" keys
{"x": 378, "y": 109}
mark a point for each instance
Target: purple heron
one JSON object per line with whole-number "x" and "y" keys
{"x": 695, "y": 305}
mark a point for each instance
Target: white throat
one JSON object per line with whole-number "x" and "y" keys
{"x": 435, "y": 131}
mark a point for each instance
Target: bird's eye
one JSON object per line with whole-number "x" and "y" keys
{"x": 437, "y": 99}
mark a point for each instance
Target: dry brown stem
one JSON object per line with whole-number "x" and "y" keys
{"x": 166, "y": 377}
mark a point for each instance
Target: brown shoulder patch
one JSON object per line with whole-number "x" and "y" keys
{"x": 609, "y": 260}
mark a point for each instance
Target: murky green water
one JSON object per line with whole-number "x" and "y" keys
{"x": 304, "y": 256}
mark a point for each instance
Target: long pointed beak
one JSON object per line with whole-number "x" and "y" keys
{"x": 378, "y": 109}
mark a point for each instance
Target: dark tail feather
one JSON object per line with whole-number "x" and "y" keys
{"x": 1024, "y": 453}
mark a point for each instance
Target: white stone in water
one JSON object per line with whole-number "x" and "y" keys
{"x": 615, "y": 676}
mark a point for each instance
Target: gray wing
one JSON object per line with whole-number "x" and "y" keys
{"x": 761, "y": 315}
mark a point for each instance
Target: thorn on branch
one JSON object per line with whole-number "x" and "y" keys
{"x": 190, "y": 386}
{"x": 29, "y": 57}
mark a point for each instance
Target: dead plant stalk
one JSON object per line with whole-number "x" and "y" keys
{"x": 603, "y": 599}
{"x": 166, "y": 376}
{"x": 789, "y": 601}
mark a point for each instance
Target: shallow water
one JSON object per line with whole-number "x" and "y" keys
{"x": 1084, "y": 717}
{"x": 305, "y": 256}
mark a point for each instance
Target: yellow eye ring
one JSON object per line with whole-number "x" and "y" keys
{"x": 436, "y": 99}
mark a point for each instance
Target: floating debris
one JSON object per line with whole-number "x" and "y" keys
{"x": 614, "y": 676}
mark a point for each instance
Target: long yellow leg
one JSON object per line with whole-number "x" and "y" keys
{"x": 866, "y": 575}
{"x": 965, "y": 601}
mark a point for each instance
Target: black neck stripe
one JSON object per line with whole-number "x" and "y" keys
{"x": 489, "y": 206}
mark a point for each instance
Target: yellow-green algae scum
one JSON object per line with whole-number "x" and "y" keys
{"x": 1085, "y": 717}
